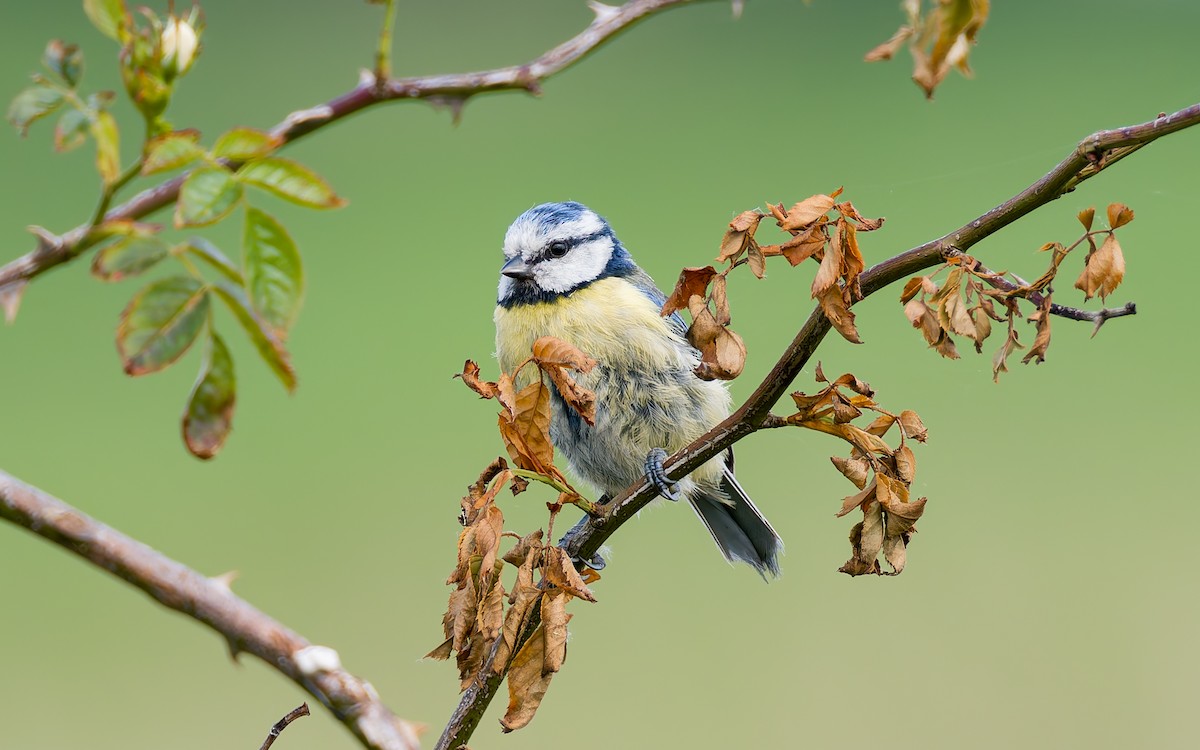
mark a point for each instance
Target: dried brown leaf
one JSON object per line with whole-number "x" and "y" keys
{"x": 693, "y": 282}
{"x": 754, "y": 256}
{"x": 1119, "y": 215}
{"x": 490, "y": 618}
{"x": 807, "y": 211}
{"x": 524, "y": 596}
{"x": 906, "y": 463}
{"x": 854, "y": 469}
{"x": 526, "y": 431}
{"x": 720, "y": 300}
{"x": 849, "y": 380}
{"x": 561, "y": 572}
{"x": 1086, "y": 216}
{"x": 1104, "y": 270}
{"x": 831, "y": 265}
{"x": 983, "y": 326}
{"x": 881, "y": 425}
{"x": 911, "y": 289}
{"x": 554, "y": 630}
{"x": 1000, "y": 359}
{"x": 520, "y": 551}
{"x": 470, "y": 376}
{"x": 889, "y": 48}
{"x": 527, "y": 682}
{"x": 1041, "y": 342}
{"x": 913, "y": 427}
{"x": 855, "y": 501}
{"x": 834, "y": 306}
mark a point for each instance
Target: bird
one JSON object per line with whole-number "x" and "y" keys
{"x": 565, "y": 274}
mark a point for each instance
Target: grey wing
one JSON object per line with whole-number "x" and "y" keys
{"x": 646, "y": 286}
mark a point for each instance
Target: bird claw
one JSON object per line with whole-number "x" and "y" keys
{"x": 568, "y": 543}
{"x": 657, "y": 475}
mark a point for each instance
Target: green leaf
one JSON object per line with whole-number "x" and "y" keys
{"x": 31, "y": 105}
{"x": 269, "y": 347}
{"x": 71, "y": 130}
{"x": 291, "y": 181}
{"x": 160, "y": 323}
{"x": 209, "y": 415}
{"x": 129, "y": 256}
{"x": 206, "y": 196}
{"x": 64, "y": 60}
{"x": 172, "y": 151}
{"x": 108, "y": 147}
{"x": 106, "y": 15}
{"x": 210, "y": 254}
{"x": 241, "y": 144}
{"x": 274, "y": 275}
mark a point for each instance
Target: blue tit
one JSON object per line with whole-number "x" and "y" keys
{"x": 567, "y": 275}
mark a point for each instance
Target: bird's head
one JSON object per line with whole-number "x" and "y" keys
{"x": 554, "y": 249}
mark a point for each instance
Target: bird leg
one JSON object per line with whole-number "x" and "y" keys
{"x": 568, "y": 543}
{"x": 657, "y": 475}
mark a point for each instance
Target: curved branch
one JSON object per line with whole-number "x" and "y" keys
{"x": 451, "y": 90}
{"x": 174, "y": 585}
{"x": 1091, "y": 156}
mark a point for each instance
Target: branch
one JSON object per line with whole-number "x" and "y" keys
{"x": 282, "y": 724}
{"x": 449, "y": 90}
{"x": 314, "y": 668}
{"x": 1093, "y": 154}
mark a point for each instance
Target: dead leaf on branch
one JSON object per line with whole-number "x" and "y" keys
{"x": 939, "y": 38}
{"x": 1103, "y": 270}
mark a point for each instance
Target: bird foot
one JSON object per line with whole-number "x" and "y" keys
{"x": 657, "y": 475}
{"x": 568, "y": 543}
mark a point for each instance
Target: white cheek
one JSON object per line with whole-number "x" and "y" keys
{"x": 584, "y": 264}
{"x": 506, "y": 285}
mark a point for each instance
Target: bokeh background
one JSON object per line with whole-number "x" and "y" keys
{"x": 1050, "y": 599}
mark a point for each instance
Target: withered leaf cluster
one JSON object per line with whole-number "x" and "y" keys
{"x": 971, "y": 297}
{"x": 525, "y": 417}
{"x": 939, "y": 38}
{"x": 882, "y": 474}
{"x": 831, "y": 241}
{"x": 520, "y": 633}
{"x": 494, "y": 631}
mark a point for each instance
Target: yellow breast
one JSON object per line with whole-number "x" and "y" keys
{"x": 610, "y": 320}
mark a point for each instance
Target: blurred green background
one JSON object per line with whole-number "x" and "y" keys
{"x": 1050, "y": 599}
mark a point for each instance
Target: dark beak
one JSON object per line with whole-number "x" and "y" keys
{"x": 517, "y": 268}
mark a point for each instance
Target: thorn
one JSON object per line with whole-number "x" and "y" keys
{"x": 453, "y": 103}
{"x": 1099, "y": 322}
{"x": 226, "y": 579}
{"x": 604, "y": 13}
{"x": 10, "y": 299}
{"x": 738, "y": 7}
{"x": 234, "y": 650}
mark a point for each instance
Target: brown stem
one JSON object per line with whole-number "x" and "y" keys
{"x": 452, "y": 90}
{"x": 282, "y": 724}
{"x": 210, "y": 601}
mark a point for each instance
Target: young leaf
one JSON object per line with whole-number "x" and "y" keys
{"x": 160, "y": 323}
{"x": 243, "y": 144}
{"x": 108, "y": 146}
{"x": 64, "y": 60}
{"x": 274, "y": 275}
{"x": 206, "y": 251}
{"x": 129, "y": 256}
{"x": 71, "y": 130}
{"x": 290, "y": 181}
{"x": 269, "y": 347}
{"x": 106, "y": 15}
{"x": 31, "y": 105}
{"x": 172, "y": 151}
{"x": 206, "y": 196}
{"x": 209, "y": 415}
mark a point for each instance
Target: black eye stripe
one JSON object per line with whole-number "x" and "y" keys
{"x": 573, "y": 242}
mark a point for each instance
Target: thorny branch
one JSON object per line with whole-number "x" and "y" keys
{"x": 1092, "y": 155}
{"x": 316, "y": 669}
{"x": 451, "y": 91}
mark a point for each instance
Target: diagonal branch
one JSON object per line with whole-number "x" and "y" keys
{"x": 1093, "y": 154}
{"x": 451, "y": 90}
{"x": 315, "y": 668}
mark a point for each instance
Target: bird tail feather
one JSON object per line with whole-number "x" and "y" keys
{"x": 739, "y": 529}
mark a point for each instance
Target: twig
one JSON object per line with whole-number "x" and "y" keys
{"x": 450, "y": 90}
{"x": 282, "y": 724}
{"x": 1093, "y": 154}
{"x": 209, "y": 600}
{"x": 1098, "y": 317}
